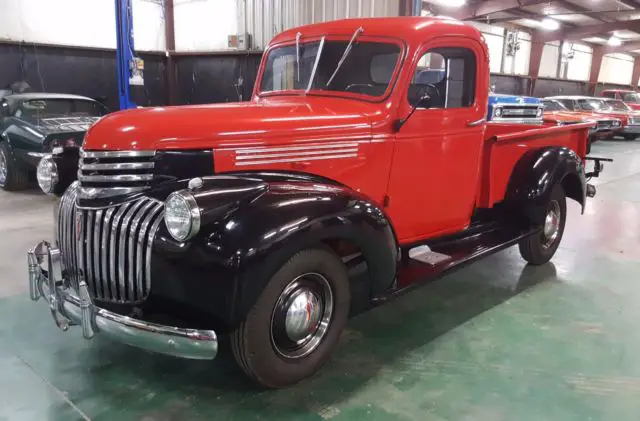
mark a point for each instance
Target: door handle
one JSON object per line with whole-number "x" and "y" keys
{"x": 476, "y": 123}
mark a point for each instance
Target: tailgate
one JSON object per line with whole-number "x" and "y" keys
{"x": 504, "y": 147}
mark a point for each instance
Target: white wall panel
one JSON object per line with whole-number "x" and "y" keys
{"x": 204, "y": 25}
{"x": 616, "y": 68}
{"x": 83, "y": 23}
{"x": 549, "y": 61}
{"x": 579, "y": 67}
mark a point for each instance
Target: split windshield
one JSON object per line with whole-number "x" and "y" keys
{"x": 618, "y": 106}
{"x": 38, "y": 109}
{"x": 631, "y": 97}
{"x": 592, "y": 105}
{"x": 553, "y": 106}
{"x": 367, "y": 69}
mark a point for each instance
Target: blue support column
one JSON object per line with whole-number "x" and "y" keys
{"x": 124, "y": 52}
{"x": 417, "y": 7}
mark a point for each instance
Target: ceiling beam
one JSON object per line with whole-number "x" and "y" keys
{"x": 624, "y": 48}
{"x": 596, "y": 64}
{"x": 589, "y": 30}
{"x": 486, "y": 8}
{"x": 580, "y": 9}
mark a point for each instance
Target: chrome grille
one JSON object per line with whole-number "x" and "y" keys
{"x": 110, "y": 248}
{"x": 520, "y": 111}
{"x": 112, "y": 173}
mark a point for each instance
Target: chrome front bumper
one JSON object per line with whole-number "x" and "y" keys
{"x": 69, "y": 308}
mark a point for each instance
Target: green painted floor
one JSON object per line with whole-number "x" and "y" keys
{"x": 495, "y": 341}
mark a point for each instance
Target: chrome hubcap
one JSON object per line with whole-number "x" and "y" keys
{"x": 302, "y": 315}
{"x": 551, "y": 225}
{"x": 3, "y": 167}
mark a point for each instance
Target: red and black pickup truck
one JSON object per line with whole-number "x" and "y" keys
{"x": 243, "y": 219}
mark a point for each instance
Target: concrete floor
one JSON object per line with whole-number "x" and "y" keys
{"x": 495, "y": 341}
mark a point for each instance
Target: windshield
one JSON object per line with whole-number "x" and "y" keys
{"x": 40, "y": 109}
{"x": 631, "y": 97}
{"x": 553, "y": 106}
{"x": 592, "y": 105}
{"x": 618, "y": 106}
{"x": 366, "y": 70}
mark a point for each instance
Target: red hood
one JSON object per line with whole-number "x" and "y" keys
{"x": 634, "y": 105}
{"x": 277, "y": 120}
{"x": 564, "y": 116}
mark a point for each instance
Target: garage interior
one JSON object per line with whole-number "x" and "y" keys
{"x": 496, "y": 340}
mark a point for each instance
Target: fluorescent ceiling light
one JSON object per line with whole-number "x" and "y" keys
{"x": 549, "y": 24}
{"x": 451, "y": 3}
{"x": 614, "y": 40}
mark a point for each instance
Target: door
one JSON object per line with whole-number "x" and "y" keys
{"x": 435, "y": 173}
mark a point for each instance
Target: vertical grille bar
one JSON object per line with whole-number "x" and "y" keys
{"x": 109, "y": 248}
{"x": 97, "y": 230}
{"x": 113, "y": 261}
{"x": 126, "y": 288}
{"x": 141, "y": 258}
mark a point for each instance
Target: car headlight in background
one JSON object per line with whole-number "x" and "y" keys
{"x": 498, "y": 112}
{"x": 182, "y": 215}
{"x": 539, "y": 112}
{"x": 47, "y": 174}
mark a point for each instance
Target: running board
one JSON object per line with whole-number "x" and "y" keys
{"x": 423, "y": 264}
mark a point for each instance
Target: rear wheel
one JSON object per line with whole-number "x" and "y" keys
{"x": 539, "y": 248}
{"x": 12, "y": 177}
{"x": 297, "y": 320}
{"x": 629, "y": 136}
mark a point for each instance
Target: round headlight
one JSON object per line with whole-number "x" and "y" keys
{"x": 539, "y": 112}
{"x": 182, "y": 215}
{"x": 498, "y": 112}
{"x": 47, "y": 174}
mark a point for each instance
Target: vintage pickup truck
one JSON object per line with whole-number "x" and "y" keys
{"x": 245, "y": 219}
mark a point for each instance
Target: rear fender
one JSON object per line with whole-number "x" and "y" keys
{"x": 536, "y": 174}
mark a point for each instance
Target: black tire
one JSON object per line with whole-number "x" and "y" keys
{"x": 254, "y": 341}
{"x": 590, "y": 140}
{"x": 629, "y": 136}
{"x": 539, "y": 248}
{"x": 16, "y": 178}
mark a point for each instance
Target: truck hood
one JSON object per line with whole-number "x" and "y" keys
{"x": 275, "y": 120}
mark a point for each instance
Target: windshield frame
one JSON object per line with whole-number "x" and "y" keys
{"x": 363, "y": 37}
{"x": 18, "y": 104}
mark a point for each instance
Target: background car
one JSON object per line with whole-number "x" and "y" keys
{"x": 514, "y": 109}
{"x": 630, "y": 124}
{"x": 631, "y": 98}
{"x": 33, "y": 124}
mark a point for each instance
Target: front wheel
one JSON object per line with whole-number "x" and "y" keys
{"x": 12, "y": 177}
{"x": 629, "y": 136}
{"x": 539, "y": 248}
{"x": 296, "y": 322}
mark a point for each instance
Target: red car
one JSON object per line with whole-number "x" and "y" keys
{"x": 630, "y": 128}
{"x": 556, "y": 114}
{"x": 629, "y": 97}
{"x": 248, "y": 218}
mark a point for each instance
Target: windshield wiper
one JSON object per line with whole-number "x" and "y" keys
{"x": 298, "y": 36}
{"x": 345, "y": 54}
{"x": 315, "y": 65}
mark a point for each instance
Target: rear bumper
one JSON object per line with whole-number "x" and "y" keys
{"x": 69, "y": 308}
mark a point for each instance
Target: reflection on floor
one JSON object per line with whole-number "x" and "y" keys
{"x": 494, "y": 341}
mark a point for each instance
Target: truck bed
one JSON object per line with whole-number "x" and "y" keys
{"x": 505, "y": 144}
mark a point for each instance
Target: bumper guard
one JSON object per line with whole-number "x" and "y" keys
{"x": 69, "y": 309}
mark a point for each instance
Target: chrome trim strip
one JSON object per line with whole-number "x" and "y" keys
{"x": 38, "y": 154}
{"x": 80, "y": 236}
{"x": 112, "y": 251}
{"x": 104, "y": 253}
{"x": 150, "y": 238}
{"x": 134, "y": 249}
{"x": 88, "y": 248}
{"x": 115, "y": 154}
{"x": 111, "y": 178}
{"x": 298, "y": 148}
{"x": 102, "y": 192}
{"x": 97, "y": 230}
{"x": 123, "y": 284}
{"x": 140, "y": 281}
{"x": 116, "y": 166}
{"x": 169, "y": 340}
{"x": 301, "y": 154}
{"x": 313, "y": 158}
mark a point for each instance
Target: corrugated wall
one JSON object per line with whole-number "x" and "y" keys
{"x": 262, "y": 19}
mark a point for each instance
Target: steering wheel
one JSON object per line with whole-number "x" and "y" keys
{"x": 427, "y": 90}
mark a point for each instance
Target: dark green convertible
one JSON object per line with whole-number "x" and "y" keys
{"x": 33, "y": 124}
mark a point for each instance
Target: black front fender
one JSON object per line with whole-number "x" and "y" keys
{"x": 536, "y": 174}
{"x": 251, "y": 225}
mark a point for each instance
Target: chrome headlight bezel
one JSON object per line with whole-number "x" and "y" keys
{"x": 497, "y": 112}
{"x": 183, "y": 201}
{"x": 539, "y": 112}
{"x": 47, "y": 174}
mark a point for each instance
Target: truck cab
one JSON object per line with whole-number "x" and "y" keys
{"x": 246, "y": 219}
{"x": 629, "y": 97}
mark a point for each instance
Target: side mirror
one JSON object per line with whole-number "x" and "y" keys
{"x": 424, "y": 102}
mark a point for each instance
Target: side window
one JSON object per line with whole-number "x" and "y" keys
{"x": 444, "y": 78}
{"x": 609, "y": 94}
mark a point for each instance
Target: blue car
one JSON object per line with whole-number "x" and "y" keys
{"x": 514, "y": 109}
